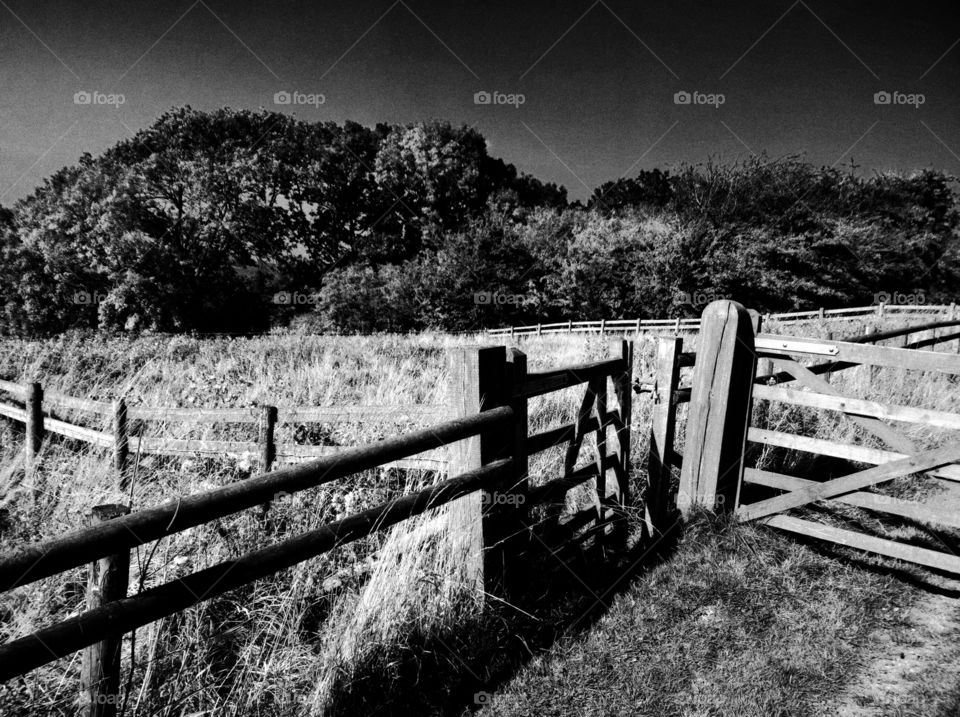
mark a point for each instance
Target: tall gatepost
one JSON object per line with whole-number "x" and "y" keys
{"x": 479, "y": 381}
{"x": 720, "y": 403}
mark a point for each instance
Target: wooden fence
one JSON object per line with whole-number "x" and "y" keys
{"x": 715, "y": 473}
{"x": 489, "y": 435}
{"x": 640, "y": 326}
{"x": 40, "y": 411}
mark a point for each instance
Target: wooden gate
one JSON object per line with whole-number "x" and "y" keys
{"x": 797, "y": 371}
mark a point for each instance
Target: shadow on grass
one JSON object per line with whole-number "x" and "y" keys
{"x": 557, "y": 581}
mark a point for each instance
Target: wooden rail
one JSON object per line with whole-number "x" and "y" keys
{"x": 490, "y": 440}
{"x": 693, "y": 324}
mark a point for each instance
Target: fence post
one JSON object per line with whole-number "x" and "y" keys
{"x": 121, "y": 443}
{"x": 880, "y": 308}
{"x": 34, "y": 434}
{"x": 478, "y": 383}
{"x": 820, "y": 313}
{"x": 106, "y": 582}
{"x": 569, "y": 326}
{"x": 867, "y": 372}
{"x": 828, "y": 376}
{"x": 520, "y": 486}
{"x": 662, "y": 431}
{"x": 603, "y": 327}
{"x": 676, "y": 326}
{"x": 637, "y": 329}
{"x": 623, "y": 390}
{"x": 268, "y": 449}
{"x": 539, "y": 329}
{"x": 720, "y": 404}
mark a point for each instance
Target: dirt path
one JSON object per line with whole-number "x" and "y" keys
{"x": 912, "y": 664}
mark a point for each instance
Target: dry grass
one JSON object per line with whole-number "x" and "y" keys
{"x": 359, "y": 625}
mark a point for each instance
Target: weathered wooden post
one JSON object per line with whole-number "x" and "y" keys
{"x": 662, "y": 430}
{"x": 479, "y": 382}
{"x": 539, "y": 329}
{"x": 720, "y": 404}
{"x": 867, "y": 372}
{"x": 623, "y": 390}
{"x": 829, "y": 374}
{"x": 34, "y": 435}
{"x": 516, "y": 508}
{"x": 603, "y": 327}
{"x": 569, "y": 326}
{"x": 107, "y": 581}
{"x": 121, "y": 442}
{"x": 268, "y": 448}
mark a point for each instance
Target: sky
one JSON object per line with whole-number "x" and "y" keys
{"x": 580, "y": 92}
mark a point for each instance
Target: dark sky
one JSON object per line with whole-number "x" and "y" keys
{"x": 598, "y": 78}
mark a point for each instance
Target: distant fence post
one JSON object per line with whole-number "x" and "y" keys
{"x": 662, "y": 431}
{"x": 268, "y": 448}
{"x": 720, "y": 404}
{"x": 569, "y": 326}
{"x": 121, "y": 442}
{"x": 479, "y": 382}
{"x": 106, "y": 582}
{"x": 34, "y": 434}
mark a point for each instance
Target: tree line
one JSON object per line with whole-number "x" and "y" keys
{"x": 238, "y": 221}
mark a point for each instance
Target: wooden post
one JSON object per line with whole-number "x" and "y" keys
{"x": 518, "y": 491}
{"x": 121, "y": 444}
{"x": 719, "y": 409}
{"x": 867, "y": 372}
{"x": 623, "y": 390}
{"x": 662, "y": 429}
{"x": 820, "y": 313}
{"x": 829, "y": 374}
{"x": 106, "y": 582}
{"x": 953, "y": 310}
{"x": 881, "y": 308}
{"x": 34, "y": 437}
{"x": 676, "y": 326}
{"x": 569, "y": 326}
{"x": 268, "y": 449}
{"x": 637, "y": 329}
{"x": 603, "y": 327}
{"x": 539, "y": 329}
{"x": 478, "y": 383}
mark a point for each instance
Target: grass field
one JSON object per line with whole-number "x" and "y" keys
{"x": 728, "y": 611}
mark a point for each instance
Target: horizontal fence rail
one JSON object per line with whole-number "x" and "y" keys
{"x": 35, "y": 562}
{"x": 121, "y": 616}
{"x": 693, "y": 324}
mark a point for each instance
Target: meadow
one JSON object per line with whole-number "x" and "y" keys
{"x": 383, "y": 624}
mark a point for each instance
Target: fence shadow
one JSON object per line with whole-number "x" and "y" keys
{"x": 560, "y": 579}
